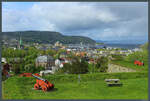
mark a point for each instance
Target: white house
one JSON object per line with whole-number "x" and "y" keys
{"x": 4, "y": 60}
{"x": 57, "y": 62}
{"x": 60, "y": 62}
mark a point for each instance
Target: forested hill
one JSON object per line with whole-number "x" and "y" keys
{"x": 46, "y": 37}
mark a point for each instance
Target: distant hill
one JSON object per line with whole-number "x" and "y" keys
{"x": 46, "y": 37}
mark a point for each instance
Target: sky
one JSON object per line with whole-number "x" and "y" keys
{"x": 106, "y": 21}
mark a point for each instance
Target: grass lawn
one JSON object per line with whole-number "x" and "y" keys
{"x": 19, "y": 88}
{"x": 130, "y": 64}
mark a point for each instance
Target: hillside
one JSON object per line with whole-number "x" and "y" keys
{"x": 46, "y": 37}
{"x": 91, "y": 86}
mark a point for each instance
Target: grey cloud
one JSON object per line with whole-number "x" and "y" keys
{"x": 96, "y": 20}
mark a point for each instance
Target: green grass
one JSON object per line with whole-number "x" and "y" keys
{"x": 21, "y": 88}
{"x": 96, "y": 76}
{"x": 130, "y": 64}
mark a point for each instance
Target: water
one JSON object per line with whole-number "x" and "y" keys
{"x": 125, "y": 46}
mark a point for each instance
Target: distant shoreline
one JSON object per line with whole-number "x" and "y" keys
{"x": 125, "y": 46}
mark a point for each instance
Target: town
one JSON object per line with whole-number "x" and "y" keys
{"x": 77, "y": 66}
{"x": 51, "y": 57}
{"x": 74, "y": 50}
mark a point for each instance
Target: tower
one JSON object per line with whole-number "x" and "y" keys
{"x": 20, "y": 42}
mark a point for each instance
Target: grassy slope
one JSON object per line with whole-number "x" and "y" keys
{"x": 21, "y": 88}
{"x": 131, "y": 65}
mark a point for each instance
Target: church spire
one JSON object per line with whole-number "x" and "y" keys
{"x": 20, "y": 41}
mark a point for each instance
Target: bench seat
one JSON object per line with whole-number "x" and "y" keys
{"x": 114, "y": 84}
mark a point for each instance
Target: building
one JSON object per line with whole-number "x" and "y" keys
{"x": 58, "y": 44}
{"x": 45, "y": 61}
{"x": 20, "y": 43}
{"x": 61, "y": 61}
{"x": 4, "y": 60}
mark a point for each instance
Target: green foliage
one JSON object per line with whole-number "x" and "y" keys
{"x": 128, "y": 61}
{"x": 139, "y": 55}
{"x": 23, "y": 60}
{"x": 59, "y": 71}
{"x": 47, "y": 37}
{"x": 4, "y": 78}
{"x": 130, "y": 64}
{"x": 102, "y": 64}
{"x": 56, "y": 56}
{"x": 135, "y": 56}
{"x": 92, "y": 68}
{"x": 61, "y": 51}
{"x": 29, "y": 68}
{"x": 16, "y": 68}
{"x": 38, "y": 69}
{"x": 118, "y": 57}
{"x": 145, "y": 46}
{"x": 50, "y": 52}
{"x": 76, "y": 67}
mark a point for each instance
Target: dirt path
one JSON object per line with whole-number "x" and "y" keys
{"x": 112, "y": 68}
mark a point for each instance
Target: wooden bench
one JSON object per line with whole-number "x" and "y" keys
{"x": 113, "y": 82}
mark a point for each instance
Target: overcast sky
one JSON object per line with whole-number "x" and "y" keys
{"x": 97, "y": 20}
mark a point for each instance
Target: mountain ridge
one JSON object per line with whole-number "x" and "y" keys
{"x": 46, "y": 37}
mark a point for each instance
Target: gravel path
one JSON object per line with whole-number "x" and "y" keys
{"x": 112, "y": 68}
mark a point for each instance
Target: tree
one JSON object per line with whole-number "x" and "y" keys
{"x": 29, "y": 68}
{"x": 56, "y": 56}
{"x": 102, "y": 64}
{"x": 76, "y": 67}
{"x": 39, "y": 68}
{"x": 16, "y": 69}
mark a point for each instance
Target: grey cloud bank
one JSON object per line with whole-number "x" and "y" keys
{"x": 99, "y": 21}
